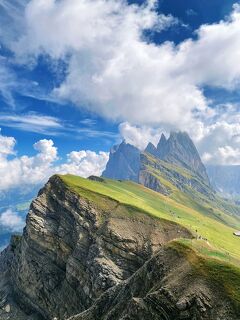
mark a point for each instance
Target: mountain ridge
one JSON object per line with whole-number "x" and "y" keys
{"x": 178, "y": 149}
{"x": 115, "y": 249}
{"x": 87, "y": 242}
{"x": 124, "y": 162}
{"x": 223, "y": 178}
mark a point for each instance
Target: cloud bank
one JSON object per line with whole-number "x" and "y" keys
{"x": 11, "y": 221}
{"x": 115, "y": 71}
{"x": 218, "y": 141}
{"x": 25, "y": 171}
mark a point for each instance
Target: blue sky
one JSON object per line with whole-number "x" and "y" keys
{"x": 86, "y": 74}
{"x": 77, "y": 76}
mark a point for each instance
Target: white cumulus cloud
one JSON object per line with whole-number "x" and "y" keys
{"x": 217, "y": 139}
{"x": 25, "y": 171}
{"x": 225, "y": 155}
{"x": 113, "y": 70}
{"x": 6, "y": 145}
{"x": 85, "y": 163}
{"x": 10, "y": 220}
{"x": 139, "y": 136}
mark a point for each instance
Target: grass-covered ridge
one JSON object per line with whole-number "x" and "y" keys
{"x": 205, "y": 201}
{"x": 218, "y": 234}
{"x": 220, "y": 273}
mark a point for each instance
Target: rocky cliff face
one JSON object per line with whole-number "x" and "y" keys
{"x": 124, "y": 162}
{"x": 151, "y": 149}
{"x": 88, "y": 257}
{"x": 180, "y": 150}
{"x": 153, "y": 170}
{"x": 165, "y": 288}
{"x": 72, "y": 251}
{"x": 162, "y": 147}
{"x": 9, "y": 308}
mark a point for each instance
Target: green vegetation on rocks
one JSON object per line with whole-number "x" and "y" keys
{"x": 201, "y": 220}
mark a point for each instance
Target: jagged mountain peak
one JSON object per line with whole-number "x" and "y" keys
{"x": 179, "y": 149}
{"x": 151, "y": 149}
{"x": 116, "y": 147}
{"x": 162, "y": 145}
{"x": 182, "y": 138}
{"x": 162, "y": 142}
{"x": 124, "y": 162}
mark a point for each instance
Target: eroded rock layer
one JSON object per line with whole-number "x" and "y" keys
{"x": 167, "y": 287}
{"x": 73, "y": 249}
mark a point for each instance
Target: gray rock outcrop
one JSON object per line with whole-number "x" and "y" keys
{"x": 98, "y": 259}
{"x": 124, "y": 163}
{"x": 186, "y": 181}
{"x": 180, "y": 150}
{"x": 164, "y": 288}
{"x": 72, "y": 251}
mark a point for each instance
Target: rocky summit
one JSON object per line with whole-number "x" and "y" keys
{"x": 72, "y": 250}
{"x": 124, "y": 162}
{"x": 180, "y": 150}
{"x": 101, "y": 249}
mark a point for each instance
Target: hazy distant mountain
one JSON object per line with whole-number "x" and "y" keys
{"x": 92, "y": 247}
{"x": 152, "y": 150}
{"x": 225, "y": 179}
{"x": 178, "y": 149}
{"x": 124, "y": 162}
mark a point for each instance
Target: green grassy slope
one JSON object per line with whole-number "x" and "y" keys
{"x": 220, "y": 240}
{"x": 221, "y": 274}
{"x": 205, "y": 201}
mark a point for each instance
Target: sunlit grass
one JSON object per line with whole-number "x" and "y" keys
{"x": 216, "y": 267}
{"x": 218, "y": 234}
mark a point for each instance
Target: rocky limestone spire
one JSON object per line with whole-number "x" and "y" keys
{"x": 162, "y": 142}
{"x": 124, "y": 162}
{"x": 179, "y": 149}
{"x": 151, "y": 149}
{"x": 162, "y": 146}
